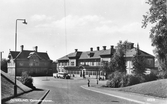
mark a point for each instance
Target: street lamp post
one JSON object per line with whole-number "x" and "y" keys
{"x": 1, "y": 59}
{"x": 15, "y": 85}
{"x": 24, "y": 22}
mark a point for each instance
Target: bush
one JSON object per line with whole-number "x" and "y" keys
{"x": 119, "y": 79}
{"x": 124, "y": 81}
{"x": 27, "y": 80}
{"x": 132, "y": 80}
{"x": 115, "y": 79}
{"x": 151, "y": 77}
{"x": 162, "y": 74}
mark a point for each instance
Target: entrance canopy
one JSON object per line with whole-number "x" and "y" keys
{"x": 78, "y": 68}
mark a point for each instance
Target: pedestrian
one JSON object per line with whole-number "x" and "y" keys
{"x": 88, "y": 83}
{"x": 97, "y": 81}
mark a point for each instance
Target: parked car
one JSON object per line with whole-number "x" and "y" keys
{"x": 55, "y": 75}
{"x": 63, "y": 75}
{"x": 67, "y": 76}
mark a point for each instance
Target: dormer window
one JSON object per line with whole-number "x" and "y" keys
{"x": 91, "y": 54}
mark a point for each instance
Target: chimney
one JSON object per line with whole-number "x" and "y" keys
{"x": 22, "y": 47}
{"x": 129, "y": 45}
{"x": 36, "y": 48}
{"x": 91, "y": 49}
{"x": 98, "y": 48}
{"x": 76, "y": 50}
{"x": 104, "y": 47}
{"x": 132, "y": 45}
{"x": 112, "y": 49}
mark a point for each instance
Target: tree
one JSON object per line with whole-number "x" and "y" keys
{"x": 139, "y": 65}
{"x": 118, "y": 59}
{"x": 4, "y": 65}
{"x": 157, "y": 16}
{"x": 105, "y": 68}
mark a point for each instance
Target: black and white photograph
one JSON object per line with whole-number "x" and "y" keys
{"x": 83, "y": 51}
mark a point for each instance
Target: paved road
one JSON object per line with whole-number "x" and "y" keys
{"x": 64, "y": 91}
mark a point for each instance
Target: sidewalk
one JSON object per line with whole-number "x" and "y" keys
{"x": 33, "y": 97}
{"x": 30, "y": 96}
{"x": 133, "y": 97}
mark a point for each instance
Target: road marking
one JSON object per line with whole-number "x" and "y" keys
{"x": 132, "y": 100}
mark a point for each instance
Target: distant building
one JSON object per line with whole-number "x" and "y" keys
{"x": 34, "y": 62}
{"x": 131, "y": 51}
{"x": 90, "y": 62}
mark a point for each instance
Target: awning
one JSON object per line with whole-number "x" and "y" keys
{"x": 78, "y": 68}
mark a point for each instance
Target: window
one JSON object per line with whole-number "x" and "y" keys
{"x": 98, "y": 63}
{"x": 72, "y": 63}
{"x": 92, "y": 63}
{"x": 36, "y": 63}
{"x": 60, "y": 64}
{"x": 21, "y": 64}
{"x": 150, "y": 62}
{"x": 30, "y": 64}
{"x": 129, "y": 64}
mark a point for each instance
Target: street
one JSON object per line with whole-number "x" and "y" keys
{"x": 63, "y": 91}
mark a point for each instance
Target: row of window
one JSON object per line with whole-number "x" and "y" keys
{"x": 150, "y": 63}
{"x": 129, "y": 64}
{"x": 90, "y": 63}
{"x": 63, "y": 64}
{"x": 32, "y": 64}
{"x": 72, "y": 63}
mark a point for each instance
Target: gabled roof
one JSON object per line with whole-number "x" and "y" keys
{"x": 97, "y": 54}
{"x": 64, "y": 58}
{"x": 87, "y": 54}
{"x": 132, "y": 52}
{"x": 26, "y": 53}
{"x": 142, "y": 53}
{"x": 74, "y": 54}
{"x": 14, "y": 54}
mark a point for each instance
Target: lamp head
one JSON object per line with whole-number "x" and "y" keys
{"x": 24, "y": 22}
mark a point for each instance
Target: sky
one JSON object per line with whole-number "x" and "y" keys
{"x": 58, "y": 27}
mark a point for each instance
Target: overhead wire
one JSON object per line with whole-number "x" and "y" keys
{"x": 65, "y": 25}
{"x": 65, "y": 33}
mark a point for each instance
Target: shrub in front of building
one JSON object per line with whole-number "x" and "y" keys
{"x": 120, "y": 79}
{"x": 151, "y": 77}
{"x": 27, "y": 80}
{"x": 115, "y": 79}
{"x": 162, "y": 74}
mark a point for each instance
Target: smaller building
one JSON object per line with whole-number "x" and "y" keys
{"x": 131, "y": 51}
{"x": 34, "y": 62}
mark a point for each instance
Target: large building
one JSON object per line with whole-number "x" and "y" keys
{"x": 90, "y": 62}
{"x": 34, "y": 62}
{"x": 85, "y": 63}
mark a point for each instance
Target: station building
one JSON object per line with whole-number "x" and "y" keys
{"x": 88, "y": 63}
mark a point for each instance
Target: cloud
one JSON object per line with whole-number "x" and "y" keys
{"x": 132, "y": 27}
{"x": 88, "y": 23}
{"x": 40, "y": 17}
{"x": 75, "y": 21}
{"x": 128, "y": 28}
{"x": 71, "y": 21}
